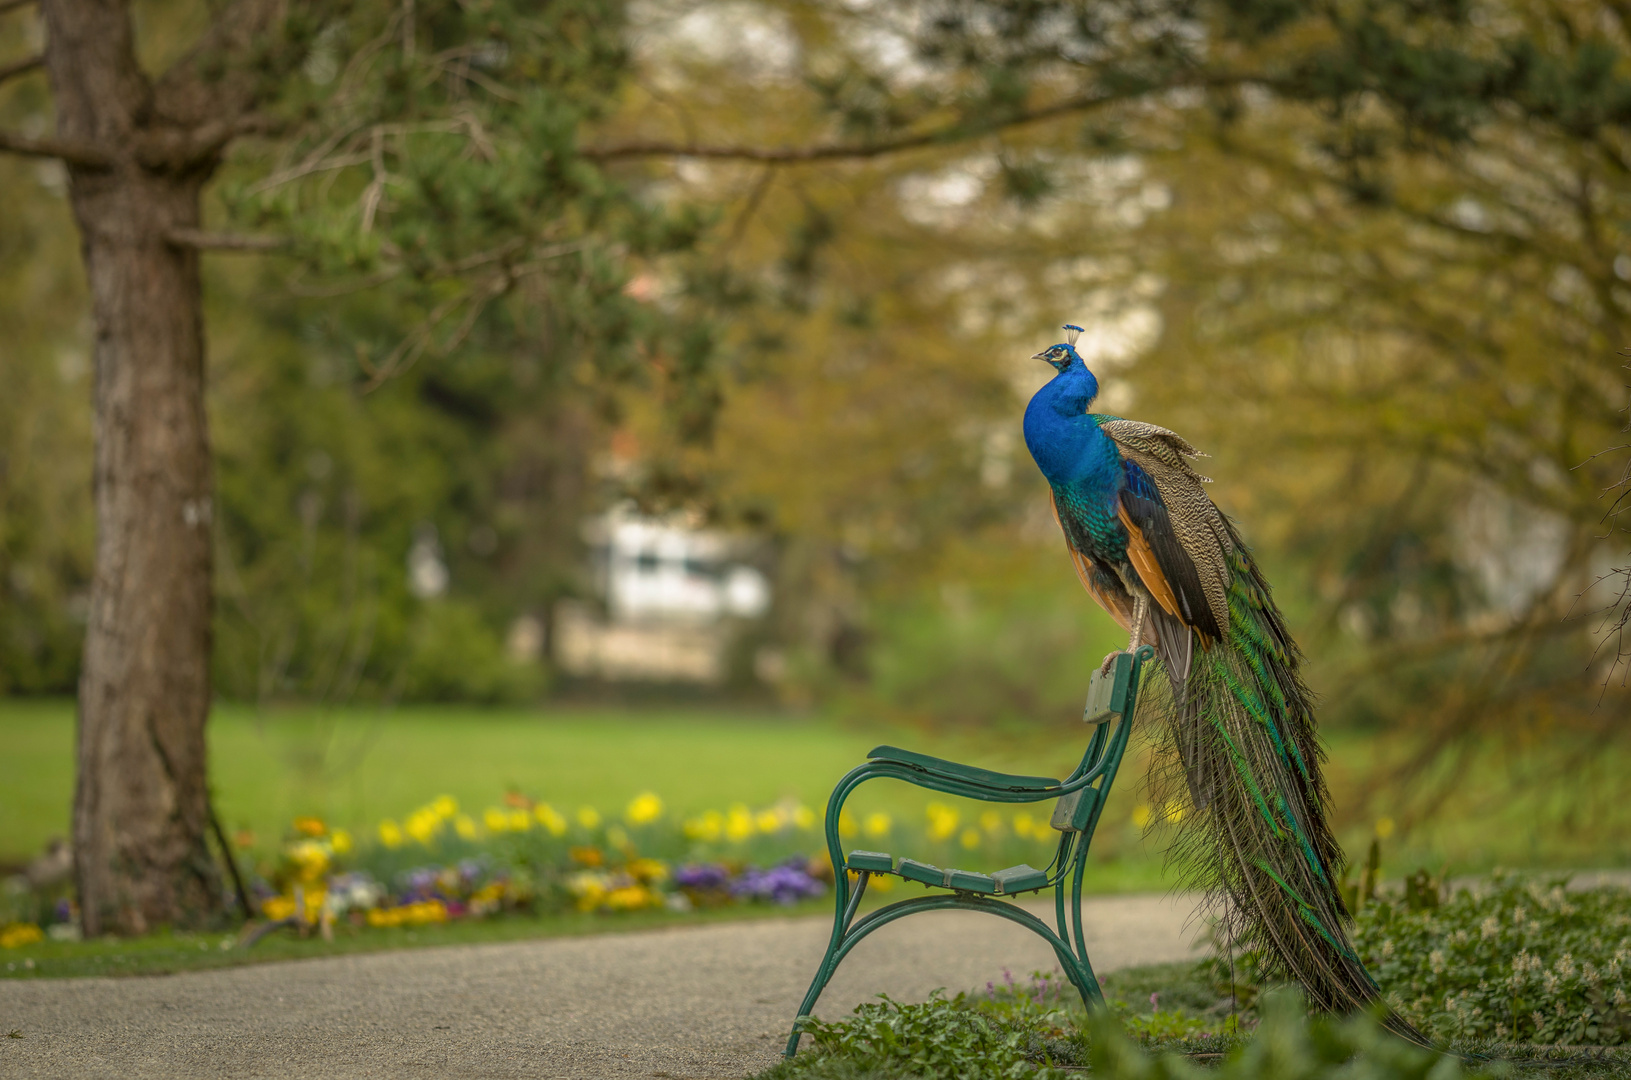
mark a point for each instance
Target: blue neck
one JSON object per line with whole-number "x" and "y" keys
{"x": 1068, "y": 447}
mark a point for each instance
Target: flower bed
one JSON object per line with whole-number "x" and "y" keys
{"x": 440, "y": 863}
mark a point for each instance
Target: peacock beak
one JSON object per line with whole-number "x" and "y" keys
{"x": 1042, "y": 356}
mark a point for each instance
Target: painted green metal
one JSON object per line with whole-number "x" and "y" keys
{"x": 1111, "y": 701}
{"x": 878, "y": 862}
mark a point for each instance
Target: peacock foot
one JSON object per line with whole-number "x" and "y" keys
{"x": 1109, "y": 662}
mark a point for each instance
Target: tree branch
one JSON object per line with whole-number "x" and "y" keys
{"x": 74, "y": 153}
{"x": 21, "y": 67}
{"x": 181, "y": 149}
{"x": 793, "y": 155}
{"x": 208, "y": 241}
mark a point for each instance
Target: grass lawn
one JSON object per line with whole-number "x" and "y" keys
{"x": 355, "y": 766}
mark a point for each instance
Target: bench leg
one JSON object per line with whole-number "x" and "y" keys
{"x": 843, "y": 915}
{"x": 845, "y": 937}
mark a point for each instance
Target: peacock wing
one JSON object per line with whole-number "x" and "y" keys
{"x": 1179, "y": 541}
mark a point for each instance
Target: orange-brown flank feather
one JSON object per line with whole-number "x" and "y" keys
{"x": 1143, "y": 560}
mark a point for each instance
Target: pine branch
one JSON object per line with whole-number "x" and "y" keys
{"x": 84, "y": 155}
{"x": 200, "y": 240}
{"x": 21, "y": 67}
{"x": 794, "y": 155}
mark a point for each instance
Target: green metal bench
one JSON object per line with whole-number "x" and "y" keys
{"x": 1078, "y": 801}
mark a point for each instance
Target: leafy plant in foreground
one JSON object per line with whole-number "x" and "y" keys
{"x": 945, "y": 1039}
{"x": 1513, "y": 961}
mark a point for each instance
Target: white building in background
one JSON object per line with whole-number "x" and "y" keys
{"x": 673, "y": 594}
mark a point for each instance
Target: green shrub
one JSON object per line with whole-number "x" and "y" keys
{"x": 1514, "y": 961}
{"x": 937, "y": 1040}
{"x": 955, "y": 1040}
{"x": 453, "y": 655}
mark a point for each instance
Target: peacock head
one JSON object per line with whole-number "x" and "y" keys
{"x": 1063, "y": 355}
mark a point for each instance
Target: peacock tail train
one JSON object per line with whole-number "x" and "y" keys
{"x": 1152, "y": 548}
{"x": 1259, "y": 840}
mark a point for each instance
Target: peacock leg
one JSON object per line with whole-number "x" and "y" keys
{"x": 1141, "y": 611}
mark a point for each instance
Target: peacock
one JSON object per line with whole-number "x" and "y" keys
{"x": 1153, "y": 550}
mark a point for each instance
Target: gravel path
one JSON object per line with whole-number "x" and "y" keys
{"x": 712, "y": 1001}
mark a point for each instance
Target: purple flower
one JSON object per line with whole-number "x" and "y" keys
{"x": 784, "y": 884}
{"x": 63, "y": 911}
{"x": 704, "y": 877}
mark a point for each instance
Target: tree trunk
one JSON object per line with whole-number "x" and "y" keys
{"x": 140, "y": 802}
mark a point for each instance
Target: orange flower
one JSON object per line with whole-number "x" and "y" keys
{"x": 310, "y": 826}
{"x": 587, "y": 856}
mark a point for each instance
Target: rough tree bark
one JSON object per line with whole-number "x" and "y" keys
{"x": 138, "y": 153}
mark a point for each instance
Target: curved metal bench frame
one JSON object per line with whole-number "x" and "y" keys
{"x": 1090, "y": 780}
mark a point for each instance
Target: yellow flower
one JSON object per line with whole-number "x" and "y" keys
{"x": 991, "y": 822}
{"x": 738, "y": 823}
{"x": 589, "y": 887}
{"x": 277, "y": 907}
{"x": 846, "y": 824}
{"x": 314, "y": 904}
{"x": 17, "y": 934}
{"x": 495, "y": 819}
{"x": 878, "y": 823}
{"x": 970, "y": 838}
{"x": 648, "y": 871}
{"x": 1023, "y": 823}
{"x": 1142, "y": 815}
{"x": 423, "y": 825}
{"x": 1384, "y": 827}
{"x": 550, "y": 818}
{"x": 310, "y": 859}
{"x": 942, "y": 821}
{"x": 390, "y": 834}
{"x": 804, "y": 817}
{"x": 588, "y": 817}
{"x": 645, "y": 809}
{"x": 706, "y": 828}
{"x": 882, "y": 882}
{"x": 425, "y": 911}
{"x": 310, "y": 826}
{"x": 520, "y": 821}
{"x": 768, "y": 821}
{"x": 444, "y": 806}
{"x": 617, "y": 838}
{"x": 631, "y": 898}
{"x": 465, "y": 826}
{"x": 385, "y": 917}
{"x": 340, "y": 841}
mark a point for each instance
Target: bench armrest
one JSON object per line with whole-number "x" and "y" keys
{"x": 968, "y": 773}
